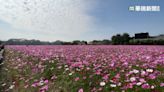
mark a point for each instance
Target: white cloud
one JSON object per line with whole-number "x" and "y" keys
{"x": 49, "y": 18}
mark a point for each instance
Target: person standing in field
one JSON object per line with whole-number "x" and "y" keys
{"x": 2, "y": 47}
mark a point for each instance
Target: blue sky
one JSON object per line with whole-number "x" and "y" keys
{"x": 78, "y": 20}
{"x": 115, "y": 14}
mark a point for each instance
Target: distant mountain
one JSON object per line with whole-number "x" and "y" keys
{"x": 30, "y": 42}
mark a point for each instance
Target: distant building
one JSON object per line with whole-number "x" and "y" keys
{"x": 141, "y": 35}
{"x": 159, "y": 37}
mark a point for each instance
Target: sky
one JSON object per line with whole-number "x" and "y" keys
{"x": 68, "y": 20}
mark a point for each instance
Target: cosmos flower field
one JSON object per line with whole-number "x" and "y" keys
{"x": 83, "y": 69}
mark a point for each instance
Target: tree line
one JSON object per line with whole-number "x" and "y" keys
{"x": 118, "y": 39}
{"x": 125, "y": 39}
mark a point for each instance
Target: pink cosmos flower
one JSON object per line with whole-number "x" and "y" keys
{"x": 152, "y": 76}
{"x": 46, "y": 81}
{"x": 130, "y": 85}
{"x": 93, "y": 90}
{"x": 80, "y": 90}
{"x": 106, "y": 77}
{"x": 162, "y": 85}
{"x": 34, "y": 84}
{"x": 146, "y": 86}
{"x": 143, "y": 73}
{"x": 45, "y": 88}
{"x": 98, "y": 60}
{"x": 100, "y": 89}
{"x": 53, "y": 77}
{"x": 42, "y": 91}
{"x": 77, "y": 78}
{"x": 84, "y": 77}
{"x": 98, "y": 72}
{"x": 142, "y": 80}
{"x": 117, "y": 76}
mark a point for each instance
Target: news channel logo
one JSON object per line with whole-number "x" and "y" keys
{"x": 139, "y": 8}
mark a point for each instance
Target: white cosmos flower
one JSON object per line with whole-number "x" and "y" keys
{"x": 67, "y": 69}
{"x": 132, "y": 79}
{"x": 52, "y": 61}
{"x": 111, "y": 80}
{"x": 1, "y": 63}
{"x": 152, "y": 87}
{"x": 113, "y": 85}
{"x": 59, "y": 67}
{"x": 123, "y": 91}
{"x": 66, "y": 66}
{"x": 149, "y": 70}
{"x": 11, "y": 87}
{"x": 4, "y": 84}
{"x": 6, "y": 69}
{"x": 77, "y": 69}
{"x": 102, "y": 83}
{"x": 135, "y": 71}
{"x": 41, "y": 83}
{"x": 51, "y": 68}
{"x": 119, "y": 84}
{"x": 70, "y": 74}
{"x": 139, "y": 83}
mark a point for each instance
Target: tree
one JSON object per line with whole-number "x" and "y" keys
{"x": 105, "y": 42}
{"x": 67, "y": 43}
{"x": 76, "y": 42}
{"x": 58, "y": 42}
{"x": 95, "y": 42}
{"x": 125, "y": 38}
{"x": 116, "y": 39}
{"x": 120, "y": 39}
{"x": 84, "y": 42}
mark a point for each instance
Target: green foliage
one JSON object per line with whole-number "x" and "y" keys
{"x": 120, "y": 39}
{"x": 101, "y": 42}
{"x": 76, "y": 42}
